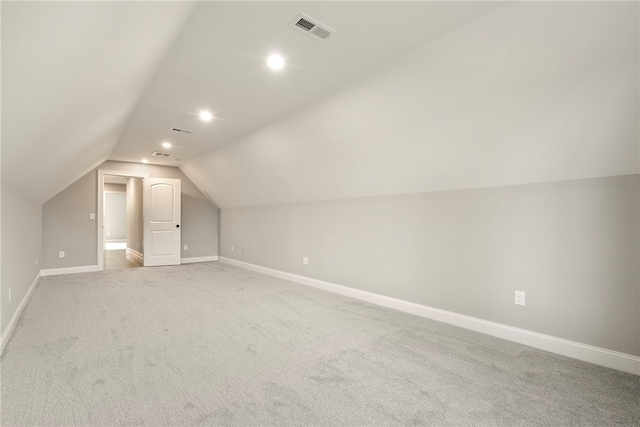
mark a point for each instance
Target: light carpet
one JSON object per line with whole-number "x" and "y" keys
{"x": 213, "y": 344}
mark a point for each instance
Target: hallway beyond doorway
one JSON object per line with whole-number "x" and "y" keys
{"x": 116, "y": 259}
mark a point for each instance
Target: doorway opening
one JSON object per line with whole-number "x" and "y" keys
{"x": 120, "y": 220}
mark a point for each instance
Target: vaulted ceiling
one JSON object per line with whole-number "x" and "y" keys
{"x": 218, "y": 64}
{"x": 84, "y": 82}
{"x": 72, "y": 74}
{"x": 403, "y": 97}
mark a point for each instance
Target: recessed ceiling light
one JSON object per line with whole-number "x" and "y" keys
{"x": 145, "y": 161}
{"x": 166, "y": 144}
{"x": 275, "y": 62}
{"x": 206, "y": 116}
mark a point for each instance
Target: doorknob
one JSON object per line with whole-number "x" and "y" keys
{"x": 177, "y": 225}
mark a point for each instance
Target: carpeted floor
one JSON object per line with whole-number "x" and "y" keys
{"x": 212, "y": 344}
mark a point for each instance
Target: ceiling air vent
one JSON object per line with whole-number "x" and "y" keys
{"x": 180, "y": 130}
{"x": 311, "y": 27}
{"x": 159, "y": 154}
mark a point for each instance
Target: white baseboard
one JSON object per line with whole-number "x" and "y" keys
{"x": 588, "y": 353}
{"x": 199, "y": 259}
{"x": 134, "y": 256}
{"x": 6, "y": 336}
{"x": 69, "y": 270}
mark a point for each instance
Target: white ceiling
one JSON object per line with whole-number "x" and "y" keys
{"x": 72, "y": 73}
{"x": 531, "y": 92}
{"x": 218, "y": 64}
{"x": 404, "y": 97}
{"x": 88, "y": 81}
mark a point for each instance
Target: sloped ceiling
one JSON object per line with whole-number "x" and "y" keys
{"x": 87, "y": 81}
{"x": 72, "y": 72}
{"x": 531, "y": 92}
{"x": 404, "y": 97}
{"x": 218, "y": 63}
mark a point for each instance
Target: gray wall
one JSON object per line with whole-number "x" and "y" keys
{"x": 572, "y": 246}
{"x": 115, "y": 216}
{"x": 21, "y": 245}
{"x": 134, "y": 214}
{"x": 66, "y": 225}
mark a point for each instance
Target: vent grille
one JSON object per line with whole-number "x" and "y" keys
{"x": 321, "y": 32}
{"x": 159, "y": 154}
{"x": 181, "y": 130}
{"x": 303, "y": 23}
{"x": 311, "y": 27}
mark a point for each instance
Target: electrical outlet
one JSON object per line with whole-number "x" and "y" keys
{"x": 186, "y": 247}
{"x": 9, "y": 294}
{"x": 231, "y": 248}
{"x": 305, "y": 260}
{"x": 519, "y": 298}
{"x": 61, "y": 254}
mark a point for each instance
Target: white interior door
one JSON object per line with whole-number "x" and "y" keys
{"x": 161, "y": 212}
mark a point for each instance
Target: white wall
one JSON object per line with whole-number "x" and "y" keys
{"x": 21, "y": 246}
{"x": 115, "y": 210}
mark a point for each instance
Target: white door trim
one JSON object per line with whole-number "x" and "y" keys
{"x": 100, "y": 213}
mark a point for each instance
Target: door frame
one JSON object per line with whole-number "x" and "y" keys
{"x": 100, "y": 224}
